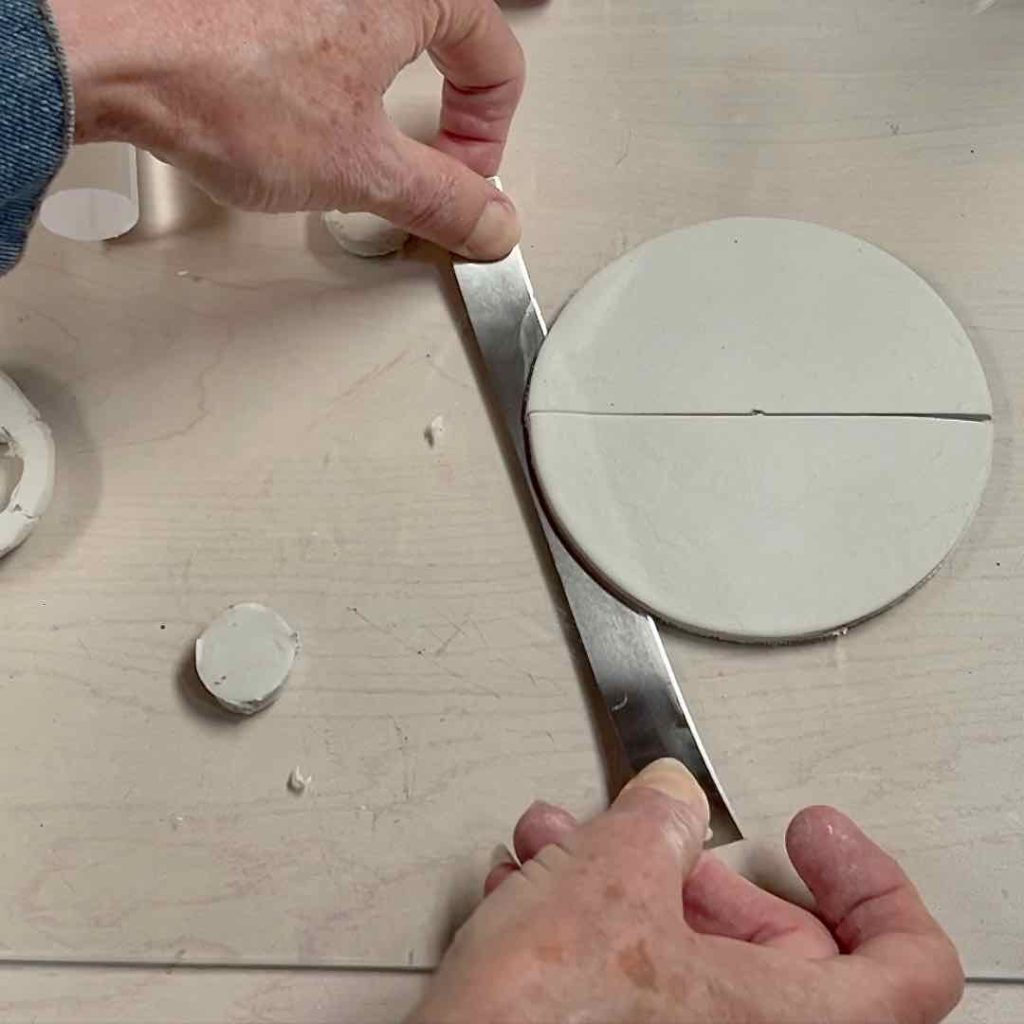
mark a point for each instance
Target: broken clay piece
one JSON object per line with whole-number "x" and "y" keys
{"x": 364, "y": 234}
{"x": 434, "y": 431}
{"x": 244, "y": 656}
{"x": 24, "y": 436}
{"x": 297, "y": 782}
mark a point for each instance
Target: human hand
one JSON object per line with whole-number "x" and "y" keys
{"x": 277, "y": 105}
{"x": 595, "y": 926}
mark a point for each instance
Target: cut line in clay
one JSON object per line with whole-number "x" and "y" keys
{"x": 760, "y": 430}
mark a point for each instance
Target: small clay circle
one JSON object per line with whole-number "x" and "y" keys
{"x": 364, "y": 234}
{"x": 244, "y": 656}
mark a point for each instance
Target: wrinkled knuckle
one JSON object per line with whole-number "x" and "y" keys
{"x": 687, "y": 821}
{"x": 431, "y": 204}
{"x": 353, "y": 168}
{"x": 432, "y": 15}
{"x": 662, "y": 817}
{"x": 638, "y": 832}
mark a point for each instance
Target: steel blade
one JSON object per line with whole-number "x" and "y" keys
{"x": 623, "y": 646}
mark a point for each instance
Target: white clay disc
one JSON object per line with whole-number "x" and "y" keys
{"x": 244, "y": 656}
{"x": 364, "y": 234}
{"x": 759, "y": 429}
{"x": 24, "y": 435}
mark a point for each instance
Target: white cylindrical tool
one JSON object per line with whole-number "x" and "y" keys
{"x": 96, "y": 194}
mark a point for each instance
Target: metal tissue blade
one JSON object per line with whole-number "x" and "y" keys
{"x": 623, "y": 646}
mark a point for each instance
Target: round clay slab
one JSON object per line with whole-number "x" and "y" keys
{"x": 364, "y": 234}
{"x": 758, "y": 429}
{"x": 244, "y": 656}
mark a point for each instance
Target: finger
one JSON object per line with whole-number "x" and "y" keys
{"x": 718, "y": 901}
{"x": 484, "y": 72}
{"x": 503, "y": 865}
{"x": 861, "y": 892}
{"x": 875, "y": 913}
{"x": 497, "y": 875}
{"x": 647, "y": 842}
{"x": 541, "y": 825}
{"x": 435, "y": 196}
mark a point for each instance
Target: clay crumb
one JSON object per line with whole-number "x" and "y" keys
{"x": 435, "y": 431}
{"x": 297, "y": 782}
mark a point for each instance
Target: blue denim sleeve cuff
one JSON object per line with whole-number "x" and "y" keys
{"x": 36, "y": 118}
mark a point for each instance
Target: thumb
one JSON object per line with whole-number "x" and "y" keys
{"x": 652, "y": 835}
{"x": 876, "y": 914}
{"x": 435, "y": 196}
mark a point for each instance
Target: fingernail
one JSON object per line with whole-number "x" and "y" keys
{"x": 670, "y": 777}
{"x": 501, "y": 854}
{"x": 495, "y": 234}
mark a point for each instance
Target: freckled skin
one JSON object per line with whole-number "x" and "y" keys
{"x": 550, "y": 953}
{"x": 623, "y": 920}
{"x": 638, "y": 967}
{"x": 614, "y": 891}
{"x": 277, "y": 105}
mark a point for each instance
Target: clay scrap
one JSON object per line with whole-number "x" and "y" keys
{"x": 24, "y": 436}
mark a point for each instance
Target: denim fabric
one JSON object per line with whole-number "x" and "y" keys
{"x": 36, "y": 118}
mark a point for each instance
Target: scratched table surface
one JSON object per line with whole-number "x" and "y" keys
{"x": 239, "y": 411}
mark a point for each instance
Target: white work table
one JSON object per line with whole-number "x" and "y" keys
{"x": 239, "y": 411}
